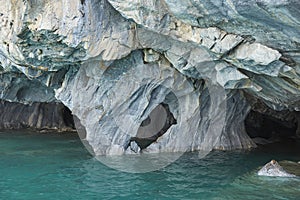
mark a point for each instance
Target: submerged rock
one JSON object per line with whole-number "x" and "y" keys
{"x": 274, "y": 169}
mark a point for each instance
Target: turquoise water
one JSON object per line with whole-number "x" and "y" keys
{"x": 51, "y": 166}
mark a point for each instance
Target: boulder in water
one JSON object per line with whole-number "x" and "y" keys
{"x": 274, "y": 169}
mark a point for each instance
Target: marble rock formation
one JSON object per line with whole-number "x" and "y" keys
{"x": 274, "y": 169}
{"x": 114, "y": 63}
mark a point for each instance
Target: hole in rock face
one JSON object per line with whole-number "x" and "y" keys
{"x": 155, "y": 125}
{"x": 272, "y": 126}
{"x": 37, "y": 116}
{"x": 67, "y": 117}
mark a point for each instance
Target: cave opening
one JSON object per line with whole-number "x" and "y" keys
{"x": 154, "y": 126}
{"x": 272, "y": 126}
{"x": 37, "y": 116}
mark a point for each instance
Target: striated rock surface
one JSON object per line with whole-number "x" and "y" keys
{"x": 114, "y": 63}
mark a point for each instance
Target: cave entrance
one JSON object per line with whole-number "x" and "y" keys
{"x": 272, "y": 126}
{"x": 38, "y": 116}
{"x": 155, "y": 125}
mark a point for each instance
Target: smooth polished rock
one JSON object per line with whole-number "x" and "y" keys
{"x": 113, "y": 106}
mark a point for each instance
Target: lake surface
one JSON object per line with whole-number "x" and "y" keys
{"x": 57, "y": 166}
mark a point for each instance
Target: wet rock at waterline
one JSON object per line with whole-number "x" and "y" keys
{"x": 274, "y": 169}
{"x": 115, "y": 63}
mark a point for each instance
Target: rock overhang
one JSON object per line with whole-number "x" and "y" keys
{"x": 72, "y": 49}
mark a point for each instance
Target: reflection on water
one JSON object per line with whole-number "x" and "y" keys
{"x": 58, "y": 167}
{"x": 139, "y": 163}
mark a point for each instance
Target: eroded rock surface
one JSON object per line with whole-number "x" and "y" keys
{"x": 113, "y": 62}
